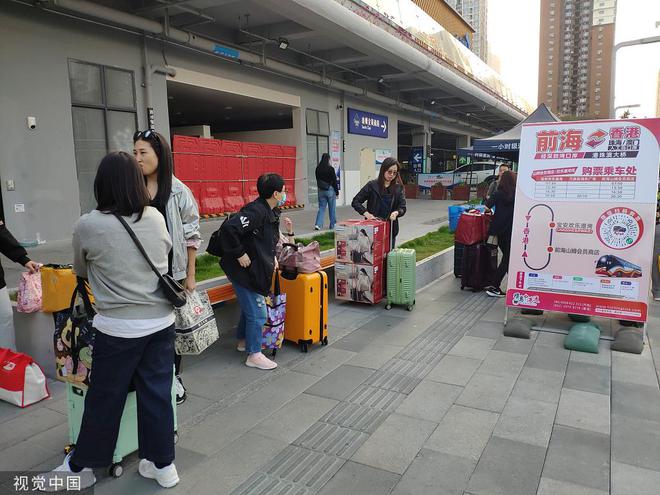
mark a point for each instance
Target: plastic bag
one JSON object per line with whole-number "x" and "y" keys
{"x": 29, "y": 293}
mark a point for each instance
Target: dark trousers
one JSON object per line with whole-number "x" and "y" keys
{"x": 145, "y": 362}
{"x": 505, "y": 246}
{"x": 177, "y": 363}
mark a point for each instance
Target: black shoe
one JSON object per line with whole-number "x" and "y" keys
{"x": 495, "y": 292}
{"x": 180, "y": 391}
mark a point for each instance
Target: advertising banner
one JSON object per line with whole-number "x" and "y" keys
{"x": 367, "y": 123}
{"x": 584, "y": 218}
{"x": 427, "y": 181}
{"x": 380, "y": 156}
{"x": 335, "y": 154}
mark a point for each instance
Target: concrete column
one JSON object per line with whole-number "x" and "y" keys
{"x": 464, "y": 141}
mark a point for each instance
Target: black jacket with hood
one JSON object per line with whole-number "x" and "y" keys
{"x": 371, "y": 193}
{"x": 254, "y": 231}
{"x": 502, "y": 224}
{"x": 10, "y": 247}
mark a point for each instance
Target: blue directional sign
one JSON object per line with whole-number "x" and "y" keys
{"x": 417, "y": 159}
{"x": 367, "y": 123}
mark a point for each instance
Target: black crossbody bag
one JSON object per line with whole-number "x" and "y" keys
{"x": 173, "y": 290}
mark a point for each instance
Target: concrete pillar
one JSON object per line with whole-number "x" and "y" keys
{"x": 420, "y": 138}
{"x": 464, "y": 141}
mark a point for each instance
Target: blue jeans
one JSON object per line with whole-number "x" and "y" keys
{"x": 145, "y": 362}
{"x": 253, "y": 318}
{"x": 327, "y": 198}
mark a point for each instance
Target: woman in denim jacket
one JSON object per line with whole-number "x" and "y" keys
{"x": 175, "y": 202}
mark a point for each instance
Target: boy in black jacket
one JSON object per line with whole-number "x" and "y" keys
{"x": 248, "y": 244}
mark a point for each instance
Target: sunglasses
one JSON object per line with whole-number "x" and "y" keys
{"x": 148, "y": 134}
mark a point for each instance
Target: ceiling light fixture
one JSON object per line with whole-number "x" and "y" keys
{"x": 432, "y": 102}
{"x": 283, "y": 43}
{"x": 229, "y": 108}
{"x": 381, "y": 80}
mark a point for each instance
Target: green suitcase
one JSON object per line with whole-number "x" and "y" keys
{"x": 401, "y": 278}
{"x": 127, "y": 440}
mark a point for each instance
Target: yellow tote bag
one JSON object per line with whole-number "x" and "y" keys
{"x": 57, "y": 285}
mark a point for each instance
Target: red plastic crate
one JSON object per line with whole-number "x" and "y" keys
{"x": 212, "y": 198}
{"x": 231, "y": 148}
{"x": 273, "y": 150}
{"x": 253, "y": 149}
{"x": 196, "y": 190}
{"x": 233, "y": 196}
{"x": 289, "y": 168}
{"x": 253, "y": 167}
{"x": 188, "y": 167}
{"x": 231, "y": 168}
{"x": 209, "y": 146}
{"x": 250, "y": 192}
{"x": 290, "y": 193}
{"x": 212, "y": 167}
{"x": 183, "y": 144}
{"x": 289, "y": 151}
{"x": 272, "y": 166}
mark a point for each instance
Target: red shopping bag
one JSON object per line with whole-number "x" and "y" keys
{"x": 21, "y": 380}
{"x": 472, "y": 227}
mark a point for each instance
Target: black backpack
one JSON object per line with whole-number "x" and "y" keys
{"x": 215, "y": 242}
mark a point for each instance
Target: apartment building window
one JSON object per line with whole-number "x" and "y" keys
{"x": 104, "y": 119}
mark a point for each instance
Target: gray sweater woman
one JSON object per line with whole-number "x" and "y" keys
{"x": 122, "y": 282}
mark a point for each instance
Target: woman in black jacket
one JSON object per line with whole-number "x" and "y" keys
{"x": 502, "y": 226}
{"x": 384, "y": 196}
{"x": 10, "y": 247}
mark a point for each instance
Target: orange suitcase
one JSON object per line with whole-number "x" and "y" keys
{"x": 306, "y": 320}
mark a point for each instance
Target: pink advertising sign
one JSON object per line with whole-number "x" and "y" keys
{"x": 584, "y": 217}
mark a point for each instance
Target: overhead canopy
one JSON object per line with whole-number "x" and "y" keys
{"x": 509, "y": 141}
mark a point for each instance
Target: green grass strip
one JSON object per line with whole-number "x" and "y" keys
{"x": 431, "y": 243}
{"x": 207, "y": 266}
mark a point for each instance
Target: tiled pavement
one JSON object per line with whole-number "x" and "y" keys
{"x": 432, "y": 401}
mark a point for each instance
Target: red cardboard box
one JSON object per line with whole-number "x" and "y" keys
{"x": 358, "y": 283}
{"x": 361, "y": 242}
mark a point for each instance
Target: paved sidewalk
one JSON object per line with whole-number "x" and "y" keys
{"x": 431, "y": 401}
{"x": 423, "y": 216}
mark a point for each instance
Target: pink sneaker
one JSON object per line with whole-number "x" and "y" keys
{"x": 258, "y": 360}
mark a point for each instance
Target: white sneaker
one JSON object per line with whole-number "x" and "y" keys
{"x": 240, "y": 346}
{"x": 316, "y": 227}
{"x": 166, "y": 477}
{"x": 258, "y": 360}
{"x": 62, "y": 476}
{"x": 181, "y": 395}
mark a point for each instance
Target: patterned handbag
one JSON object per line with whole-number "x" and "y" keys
{"x": 74, "y": 338}
{"x": 195, "y": 324}
{"x": 273, "y": 331}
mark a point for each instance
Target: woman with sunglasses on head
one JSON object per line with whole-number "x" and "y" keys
{"x": 384, "y": 196}
{"x": 175, "y": 202}
{"x": 134, "y": 340}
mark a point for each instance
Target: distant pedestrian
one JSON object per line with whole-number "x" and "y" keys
{"x": 326, "y": 181}
{"x": 502, "y": 226}
{"x": 249, "y": 241}
{"x": 384, "y": 196}
{"x": 176, "y": 203}
{"x": 10, "y": 247}
{"x": 493, "y": 185}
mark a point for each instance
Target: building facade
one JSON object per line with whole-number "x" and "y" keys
{"x": 81, "y": 77}
{"x": 476, "y": 13}
{"x": 575, "y": 53}
{"x": 448, "y": 18}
